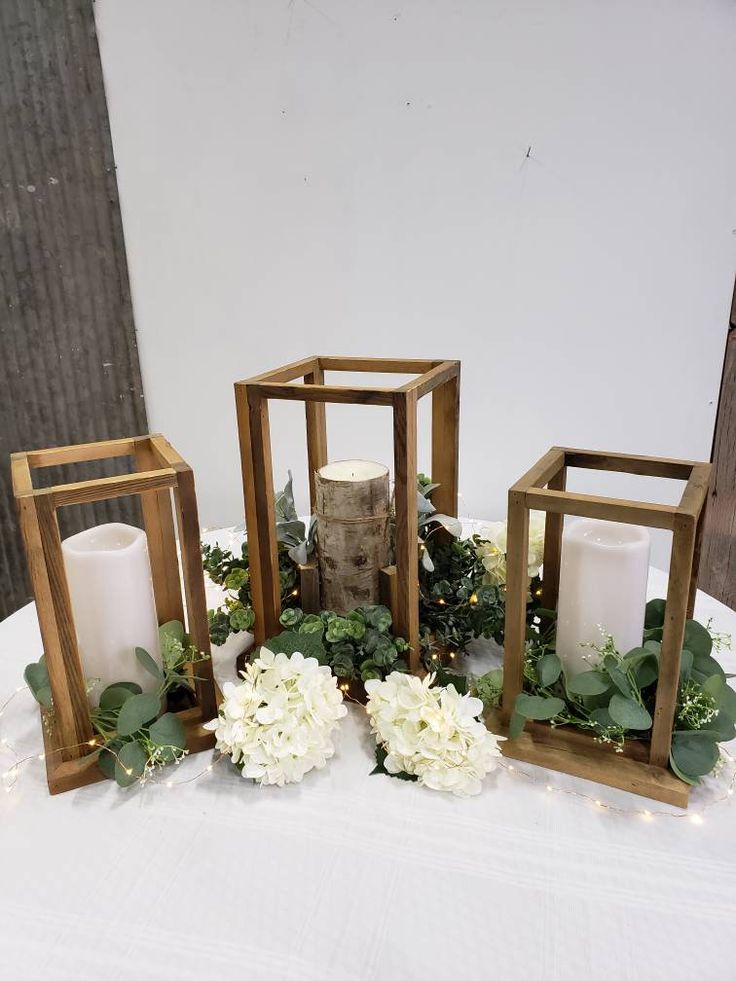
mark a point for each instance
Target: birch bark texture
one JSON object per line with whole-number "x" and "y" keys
{"x": 353, "y": 513}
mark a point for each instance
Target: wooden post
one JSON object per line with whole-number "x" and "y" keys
{"x": 446, "y": 444}
{"x": 260, "y": 518}
{"x": 683, "y": 544}
{"x": 406, "y": 530}
{"x": 553, "y": 526}
{"x": 516, "y": 590}
{"x": 316, "y": 433}
{"x": 158, "y": 520}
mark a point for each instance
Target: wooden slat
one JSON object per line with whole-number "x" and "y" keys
{"x": 316, "y": 419}
{"x": 20, "y": 474}
{"x": 595, "y": 763}
{"x": 309, "y": 599}
{"x": 406, "y": 529}
{"x": 53, "y": 605}
{"x": 647, "y": 466}
{"x": 388, "y": 589}
{"x": 446, "y": 442}
{"x": 165, "y": 453}
{"x": 683, "y": 545}
{"x": 553, "y": 526}
{"x": 606, "y": 508}
{"x": 326, "y": 393}
{"x": 158, "y": 520}
{"x": 260, "y": 520}
{"x": 402, "y": 366}
{"x": 696, "y": 490}
{"x": 107, "y": 487}
{"x": 517, "y": 558}
{"x": 286, "y": 373}
{"x": 82, "y": 452}
{"x": 436, "y": 376}
{"x": 543, "y": 470}
{"x": 191, "y": 561}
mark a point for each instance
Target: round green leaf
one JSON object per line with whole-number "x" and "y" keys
{"x": 136, "y": 712}
{"x": 378, "y": 617}
{"x": 697, "y": 639}
{"x": 686, "y": 665}
{"x": 130, "y": 763}
{"x": 114, "y": 696}
{"x": 694, "y": 753}
{"x": 549, "y": 668}
{"x": 148, "y": 663}
{"x": 36, "y": 676}
{"x": 654, "y": 616}
{"x": 290, "y": 618}
{"x": 629, "y": 714}
{"x": 106, "y": 760}
{"x": 173, "y": 629}
{"x": 168, "y": 731}
{"x": 538, "y": 707}
{"x": 588, "y": 683}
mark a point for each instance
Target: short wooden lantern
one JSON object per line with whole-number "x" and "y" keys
{"x": 441, "y": 378}
{"x": 160, "y": 473}
{"x": 642, "y": 768}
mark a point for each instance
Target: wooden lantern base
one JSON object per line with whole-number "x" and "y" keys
{"x": 572, "y": 751}
{"x": 63, "y": 775}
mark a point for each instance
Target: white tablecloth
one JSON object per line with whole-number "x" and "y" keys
{"x": 351, "y": 876}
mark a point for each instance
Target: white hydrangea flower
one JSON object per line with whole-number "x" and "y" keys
{"x": 278, "y": 723}
{"x": 433, "y": 733}
{"x": 492, "y": 550}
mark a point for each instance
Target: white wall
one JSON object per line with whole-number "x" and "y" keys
{"x": 352, "y": 177}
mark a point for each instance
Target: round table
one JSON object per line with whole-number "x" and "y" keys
{"x": 352, "y": 876}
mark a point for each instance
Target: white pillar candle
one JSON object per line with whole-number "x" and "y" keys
{"x": 114, "y": 610}
{"x": 603, "y": 589}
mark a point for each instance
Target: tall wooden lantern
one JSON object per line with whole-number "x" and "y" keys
{"x": 305, "y": 381}
{"x": 165, "y": 484}
{"x": 642, "y": 768}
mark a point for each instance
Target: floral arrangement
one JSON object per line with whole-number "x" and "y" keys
{"x": 491, "y": 549}
{"x": 132, "y": 737}
{"x": 430, "y": 734}
{"x": 277, "y": 724}
{"x": 614, "y": 699}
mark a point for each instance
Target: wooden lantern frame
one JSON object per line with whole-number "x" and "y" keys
{"x": 160, "y": 475}
{"x": 440, "y": 378}
{"x": 642, "y": 768}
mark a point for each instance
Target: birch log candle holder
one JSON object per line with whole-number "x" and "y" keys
{"x": 304, "y": 381}
{"x": 642, "y": 767}
{"x": 165, "y": 484}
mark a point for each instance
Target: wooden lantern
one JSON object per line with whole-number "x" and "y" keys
{"x": 160, "y": 473}
{"x": 642, "y": 768}
{"x": 441, "y": 378}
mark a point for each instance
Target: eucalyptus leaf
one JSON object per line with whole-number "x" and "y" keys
{"x": 114, "y": 697}
{"x": 697, "y": 639}
{"x": 145, "y": 659}
{"x": 686, "y": 665}
{"x": 654, "y": 615}
{"x": 168, "y": 731}
{"x": 549, "y": 668}
{"x": 106, "y": 760}
{"x": 629, "y": 714}
{"x": 136, "y": 712}
{"x": 131, "y": 762}
{"x": 516, "y": 725}
{"x": 427, "y": 562}
{"x": 587, "y": 683}
{"x": 694, "y": 753}
{"x": 173, "y": 629}
{"x": 538, "y": 707}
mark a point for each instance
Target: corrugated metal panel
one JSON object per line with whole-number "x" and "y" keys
{"x": 69, "y": 368}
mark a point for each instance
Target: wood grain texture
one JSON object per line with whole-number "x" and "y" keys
{"x": 648, "y": 466}
{"x": 446, "y": 443}
{"x": 678, "y": 590}
{"x": 552, "y": 558}
{"x": 406, "y": 528}
{"x": 718, "y": 557}
{"x": 316, "y": 420}
{"x": 593, "y": 762}
{"x": 432, "y": 379}
{"x": 606, "y": 508}
{"x": 403, "y": 366}
{"x": 543, "y": 470}
{"x": 339, "y": 394}
{"x": 260, "y": 518}
{"x": 309, "y": 599}
{"x": 517, "y": 557}
{"x": 158, "y": 521}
